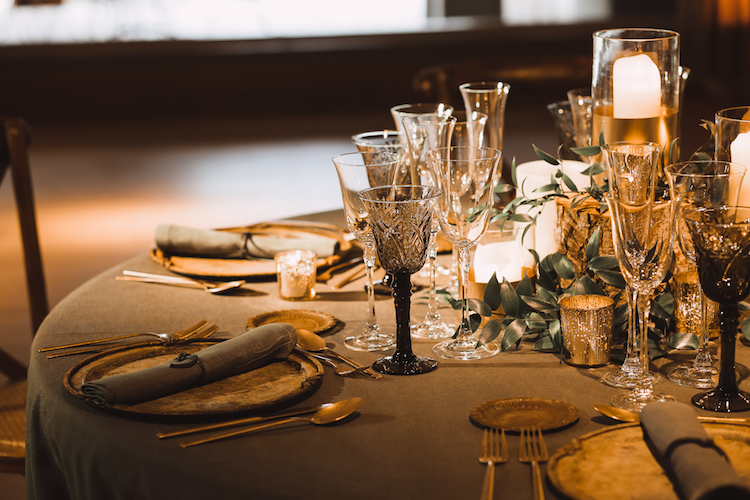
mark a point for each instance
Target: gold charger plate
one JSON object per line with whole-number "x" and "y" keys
{"x": 266, "y": 386}
{"x": 249, "y": 268}
{"x": 516, "y": 414}
{"x": 616, "y": 463}
{"x": 316, "y": 322}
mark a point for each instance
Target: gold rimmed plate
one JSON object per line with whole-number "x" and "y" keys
{"x": 266, "y": 386}
{"x": 516, "y": 414}
{"x": 616, "y": 463}
{"x": 314, "y": 321}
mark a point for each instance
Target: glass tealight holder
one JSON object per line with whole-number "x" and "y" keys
{"x": 587, "y": 322}
{"x": 636, "y": 83}
{"x": 295, "y": 273}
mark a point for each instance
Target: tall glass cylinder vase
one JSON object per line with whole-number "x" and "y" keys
{"x": 733, "y": 142}
{"x": 636, "y": 86}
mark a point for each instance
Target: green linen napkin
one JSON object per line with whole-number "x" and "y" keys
{"x": 701, "y": 469}
{"x": 181, "y": 240}
{"x": 245, "y": 352}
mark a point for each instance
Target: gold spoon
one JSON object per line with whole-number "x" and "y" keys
{"x": 628, "y": 416}
{"x": 309, "y": 341}
{"x": 328, "y": 415}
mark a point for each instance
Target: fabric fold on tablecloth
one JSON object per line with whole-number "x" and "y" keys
{"x": 245, "y": 352}
{"x": 702, "y": 470}
{"x": 181, "y": 240}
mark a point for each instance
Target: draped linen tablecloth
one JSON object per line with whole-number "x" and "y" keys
{"x": 411, "y": 439}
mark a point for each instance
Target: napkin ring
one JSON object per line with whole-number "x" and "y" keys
{"x": 185, "y": 360}
{"x": 702, "y": 442}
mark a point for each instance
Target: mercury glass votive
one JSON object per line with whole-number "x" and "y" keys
{"x": 295, "y": 272}
{"x": 636, "y": 83}
{"x": 587, "y": 322}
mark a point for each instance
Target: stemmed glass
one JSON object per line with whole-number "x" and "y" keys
{"x": 358, "y": 171}
{"x": 632, "y": 172}
{"x": 424, "y": 133}
{"x": 643, "y": 236}
{"x": 467, "y": 177}
{"x": 693, "y": 185}
{"x": 721, "y": 237}
{"x": 401, "y": 218}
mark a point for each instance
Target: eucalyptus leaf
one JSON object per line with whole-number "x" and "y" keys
{"x": 564, "y": 267}
{"x": 545, "y": 156}
{"x": 544, "y": 343}
{"x": 513, "y": 176}
{"x": 504, "y": 188}
{"x": 539, "y": 305}
{"x": 520, "y": 218}
{"x": 658, "y": 311}
{"x": 590, "y": 286}
{"x": 524, "y": 286}
{"x": 513, "y": 334}
{"x": 666, "y": 301}
{"x": 746, "y": 328}
{"x": 569, "y": 182}
{"x": 509, "y": 299}
{"x": 603, "y": 263}
{"x": 587, "y": 150}
{"x": 683, "y": 340}
{"x": 546, "y": 187}
{"x": 474, "y": 321}
{"x": 592, "y": 247}
{"x": 492, "y": 295}
{"x": 479, "y": 307}
{"x": 555, "y": 332}
{"x": 490, "y": 331}
{"x": 613, "y": 278}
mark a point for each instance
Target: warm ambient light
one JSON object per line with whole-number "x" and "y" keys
{"x": 636, "y": 87}
{"x": 739, "y": 152}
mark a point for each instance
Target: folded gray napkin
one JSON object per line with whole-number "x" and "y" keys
{"x": 701, "y": 469}
{"x": 181, "y": 240}
{"x": 250, "y": 350}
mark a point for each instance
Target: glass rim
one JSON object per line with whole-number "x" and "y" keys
{"x": 721, "y": 113}
{"x": 434, "y": 193}
{"x": 616, "y": 34}
{"x": 740, "y": 169}
{"x": 481, "y": 86}
{"x": 340, "y": 159}
{"x": 690, "y": 216}
{"x": 656, "y": 145}
{"x": 386, "y": 132}
{"x": 400, "y": 108}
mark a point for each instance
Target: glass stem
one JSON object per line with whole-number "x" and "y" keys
{"x": 371, "y": 322}
{"x": 631, "y": 364}
{"x": 703, "y": 359}
{"x": 432, "y": 314}
{"x": 463, "y": 268}
{"x": 728, "y": 321}
{"x": 644, "y": 310}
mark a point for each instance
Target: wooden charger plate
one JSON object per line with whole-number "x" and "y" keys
{"x": 248, "y": 268}
{"x": 266, "y": 386}
{"x": 616, "y": 463}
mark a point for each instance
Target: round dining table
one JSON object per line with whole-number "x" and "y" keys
{"x": 413, "y": 437}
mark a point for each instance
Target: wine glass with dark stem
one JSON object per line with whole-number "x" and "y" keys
{"x": 721, "y": 238}
{"x": 401, "y": 220}
{"x": 356, "y": 172}
{"x": 643, "y": 237}
{"x": 426, "y": 132}
{"x": 467, "y": 178}
{"x": 695, "y": 184}
{"x": 632, "y": 171}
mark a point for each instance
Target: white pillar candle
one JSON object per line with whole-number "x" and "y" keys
{"x": 739, "y": 152}
{"x": 534, "y": 174}
{"x": 636, "y": 87}
{"x": 506, "y": 259}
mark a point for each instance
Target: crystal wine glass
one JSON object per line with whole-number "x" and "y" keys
{"x": 721, "y": 237}
{"x": 643, "y": 236}
{"x": 632, "y": 171}
{"x": 401, "y": 219}
{"x": 467, "y": 178}
{"x": 358, "y": 171}
{"x": 696, "y": 184}
{"x": 424, "y": 133}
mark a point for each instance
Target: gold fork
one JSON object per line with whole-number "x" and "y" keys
{"x": 533, "y": 450}
{"x": 202, "y": 331}
{"x": 494, "y": 451}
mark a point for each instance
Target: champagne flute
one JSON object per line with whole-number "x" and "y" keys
{"x": 358, "y": 171}
{"x": 467, "y": 177}
{"x": 401, "y": 219}
{"x": 424, "y": 133}
{"x": 721, "y": 237}
{"x": 631, "y": 170}
{"x": 643, "y": 234}
{"x": 696, "y": 184}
